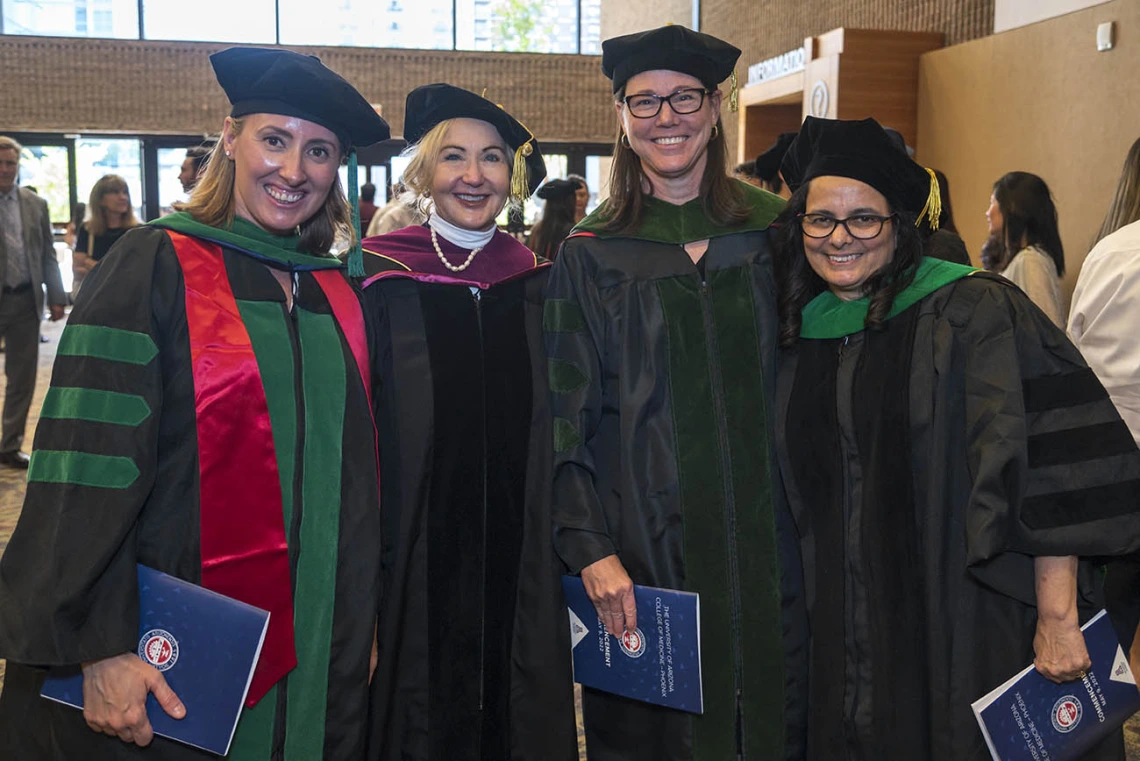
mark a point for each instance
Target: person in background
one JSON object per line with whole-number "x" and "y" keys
{"x": 367, "y": 207}
{"x": 557, "y": 217}
{"x": 1105, "y": 313}
{"x": 955, "y": 470}
{"x": 661, "y": 336}
{"x": 75, "y": 224}
{"x": 1022, "y": 216}
{"x": 193, "y": 166}
{"x": 209, "y": 417}
{"x": 27, "y": 266}
{"x": 474, "y": 648}
{"x": 110, "y": 215}
{"x": 581, "y": 196}
{"x": 992, "y": 253}
{"x": 746, "y": 172}
{"x": 401, "y": 211}
{"x": 767, "y": 165}
{"x": 1125, "y": 206}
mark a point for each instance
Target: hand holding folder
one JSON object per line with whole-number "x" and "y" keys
{"x": 114, "y": 697}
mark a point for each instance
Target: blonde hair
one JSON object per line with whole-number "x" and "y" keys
{"x": 97, "y": 215}
{"x": 212, "y": 202}
{"x": 8, "y": 144}
{"x": 1125, "y": 208}
{"x": 424, "y": 157}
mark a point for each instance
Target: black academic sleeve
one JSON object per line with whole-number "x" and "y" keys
{"x": 574, "y": 324}
{"x": 1054, "y": 468}
{"x": 68, "y": 590}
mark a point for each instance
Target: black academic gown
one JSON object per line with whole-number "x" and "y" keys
{"x": 474, "y": 635}
{"x": 68, "y": 590}
{"x": 662, "y": 375}
{"x": 926, "y": 465}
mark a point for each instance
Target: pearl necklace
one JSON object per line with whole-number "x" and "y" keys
{"x": 449, "y": 265}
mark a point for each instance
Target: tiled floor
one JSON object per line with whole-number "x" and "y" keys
{"x": 12, "y": 496}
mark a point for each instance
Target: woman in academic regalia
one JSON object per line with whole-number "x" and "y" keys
{"x": 208, "y": 417}
{"x": 661, "y": 331}
{"x": 561, "y": 197}
{"x": 474, "y": 637}
{"x": 952, "y": 464}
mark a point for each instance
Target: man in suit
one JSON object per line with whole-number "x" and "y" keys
{"x": 27, "y": 264}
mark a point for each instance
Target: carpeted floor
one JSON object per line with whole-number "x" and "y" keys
{"x": 12, "y": 496}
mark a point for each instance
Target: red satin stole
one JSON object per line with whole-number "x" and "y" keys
{"x": 244, "y": 550}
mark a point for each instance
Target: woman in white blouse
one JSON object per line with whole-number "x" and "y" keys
{"x": 1022, "y": 216}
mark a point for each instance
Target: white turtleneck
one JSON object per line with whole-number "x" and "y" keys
{"x": 460, "y": 236}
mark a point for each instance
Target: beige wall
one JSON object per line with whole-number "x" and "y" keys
{"x": 1039, "y": 99}
{"x": 1011, "y": 14}
{"x": 79, "y": 85}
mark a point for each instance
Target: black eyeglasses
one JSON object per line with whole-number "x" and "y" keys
{"x": 861, "y": 226}
{"x": 646, "y": 105}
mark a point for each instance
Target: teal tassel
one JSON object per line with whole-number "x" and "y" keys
{"x": 356, "y": 253}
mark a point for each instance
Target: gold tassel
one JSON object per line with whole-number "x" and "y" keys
{"x": 520, "y": 178}
{"x": 933, "y": 208}
{"x": 733, "y": 93}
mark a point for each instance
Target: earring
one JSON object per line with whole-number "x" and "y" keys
{"x": 715, "y": 132}
{"x": 624, "y": 140}
{"x": 229, "y": 155}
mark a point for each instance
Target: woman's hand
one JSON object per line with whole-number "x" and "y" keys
{"x": 114, "y": 697}
{"x": 1060, "y": 648}
{"x": 1058, "y": 644}
{"x": 611, "y": 590}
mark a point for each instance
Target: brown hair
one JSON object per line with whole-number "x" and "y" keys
{"x": 108, "y": 183}
{"x": 722, "y": 196}
{"x": 1125, "y": 208}
{"x": 212, "y": 203}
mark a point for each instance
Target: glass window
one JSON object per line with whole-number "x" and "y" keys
{"x": 399, "y": 164}
{"x": 598, "y": 179}
{"x": 169, "y": 186}
{"x": 44, "y": 167}
{"x": 211, "y": 20}
{"x": 531, "y": 26}
{"x": 72, "y": 18}
{"x": 378, "y": 176}
{"x": 370, "y": 23}
{"x": 591, "y": 30}
{"x": 95, "y": 157}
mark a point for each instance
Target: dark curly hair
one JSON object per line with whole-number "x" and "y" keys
{"x": 798, "y": 283}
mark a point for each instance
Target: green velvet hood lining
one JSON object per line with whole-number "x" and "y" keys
{"x": 828, "y": 316}
{"x": 251, "y": 239}
{"x": 663, "y": 222}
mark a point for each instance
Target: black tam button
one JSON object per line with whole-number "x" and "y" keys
{"x": 276, "y": 81}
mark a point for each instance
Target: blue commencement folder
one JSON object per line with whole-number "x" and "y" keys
{"x": 206, "y": 646}
{"x": 1032, "y": 719}
{"x": 659, "y": 663}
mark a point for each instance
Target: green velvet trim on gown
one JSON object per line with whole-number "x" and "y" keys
{"x": 663, "y": 222}
{"x": 828, "y": 316}
{"x": 248, "y": 237}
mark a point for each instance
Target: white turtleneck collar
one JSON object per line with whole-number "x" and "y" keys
{"x": 459, "y": 236}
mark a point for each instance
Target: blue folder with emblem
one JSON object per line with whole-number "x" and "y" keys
{"x": 659, "y": 663}
{"x": 1030, "y": 718}
{"x": 206, "y": 646}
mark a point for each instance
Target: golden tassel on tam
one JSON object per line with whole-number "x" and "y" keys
{"x": 520, "y": 178}
{"x": 933, "y": 208}
{"x": 733, "y": 93}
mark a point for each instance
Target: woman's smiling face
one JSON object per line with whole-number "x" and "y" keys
{"x": 843, "y": 261}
